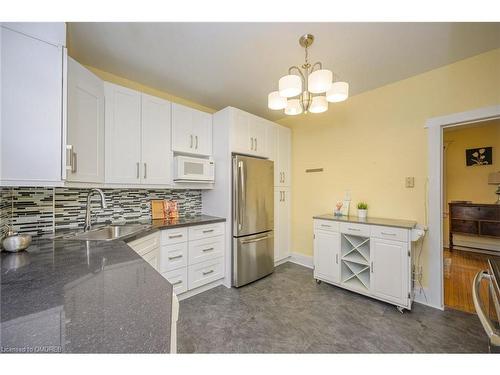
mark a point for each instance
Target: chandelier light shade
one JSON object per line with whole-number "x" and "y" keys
{"x": 338, "y": 93}
{"x": 276, "y": 101}
{"x": 319, "y": 104}
{"x": 293, "y": 107}
{"x": 290, "y": 86}
{"x": 307, "y": 88}
{"x": 320, "y": 81}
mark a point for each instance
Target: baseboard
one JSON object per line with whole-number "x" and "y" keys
{"x": 302, "y": 260}
{"x": 201, "y": 289}
{"x": 281, "y": 261}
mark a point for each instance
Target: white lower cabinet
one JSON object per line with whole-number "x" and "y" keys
{"x": 326, "y": 255}
{"x": 192, "y": 257}
{"x": 148, "y": 248}
{"x": 361, "y": 258}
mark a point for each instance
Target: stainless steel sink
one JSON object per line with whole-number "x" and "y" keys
{"x": 108, "y": 233}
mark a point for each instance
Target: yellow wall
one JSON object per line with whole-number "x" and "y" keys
{"x": 369, "y": 143}
{"x": 470, "y": 183}
{"x": 110, "y": 77}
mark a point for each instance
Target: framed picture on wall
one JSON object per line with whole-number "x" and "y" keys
{"x": 479, "y": 156}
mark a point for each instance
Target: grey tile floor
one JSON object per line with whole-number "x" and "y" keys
{"x": 288, "y": 312}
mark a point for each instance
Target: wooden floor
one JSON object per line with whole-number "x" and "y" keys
{"x": 460, "y": 267}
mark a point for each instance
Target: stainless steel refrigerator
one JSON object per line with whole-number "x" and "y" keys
{"x": 253, "y": 219}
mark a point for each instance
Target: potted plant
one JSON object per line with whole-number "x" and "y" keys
{"x": 362, "y": 209}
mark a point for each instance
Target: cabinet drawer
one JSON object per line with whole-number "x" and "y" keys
{"x": 205, "y": 272}
{"x": 332, "y": 226}
{"x": 173, "y": 256}
{"x": 205, "y": 249}
{"x": 389, "y": 233}
{"x": 465, "y": 226}
{"x": 175, "y": 235}
{"x": 146, "y": 244}
{"x": 356, "y": 229}
{"x": 178, "y": 279}
{"x": 204, "y": 231}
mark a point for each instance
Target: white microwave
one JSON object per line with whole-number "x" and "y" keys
{"x": 192, "y": 169}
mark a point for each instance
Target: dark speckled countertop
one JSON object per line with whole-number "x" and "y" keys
{"x": 86, "y": 297}
{"x": 398, "y": 223}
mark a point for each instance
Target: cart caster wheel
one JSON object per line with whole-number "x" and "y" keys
{"x": 318, "y": 281}
{"x": 400, "y": 309}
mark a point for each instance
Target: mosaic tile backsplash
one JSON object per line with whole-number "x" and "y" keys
{"x": 40, "y": 211}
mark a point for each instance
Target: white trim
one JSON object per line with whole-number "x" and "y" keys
{"x": 281, "y": 261}
{"x": 435, "y": 291}
{"x": 199, "y": 290}
{"x": 302, "y": 260}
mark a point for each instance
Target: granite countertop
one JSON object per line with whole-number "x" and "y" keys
{"x": 62, "y": 295}
{"x": 406, "y": 224}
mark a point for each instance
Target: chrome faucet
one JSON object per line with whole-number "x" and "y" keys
{"x": 88, "y": 223}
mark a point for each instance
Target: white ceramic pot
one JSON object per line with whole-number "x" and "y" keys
{"x": 362, "y": 214}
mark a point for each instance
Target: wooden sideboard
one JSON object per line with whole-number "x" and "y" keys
{"x": 474, "y": 219}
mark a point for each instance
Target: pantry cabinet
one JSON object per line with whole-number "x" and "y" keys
{"x": 85, "y": 139}
{"x": 191, "y": 131}
{"x": 33, "y": 102}
{"x": 282, "y": 171}
{"x": 137, "y": 137}
{"x": 282, "y": 224}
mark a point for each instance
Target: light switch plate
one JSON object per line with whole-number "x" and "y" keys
{"x": 410, "y": 182}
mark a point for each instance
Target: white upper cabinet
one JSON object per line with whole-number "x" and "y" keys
{"x": 248, "y": 134}
{"x": 85, "y": 139}
{"x": 50, "y": 32}
{"x": 282, "y": 169}
{"x": 138, "y": 128}
{"x": 191, "y": 131}
{"x": 33, "y": 123}
{"x": 123, "y": 134}
{"x": 156, "y": 153}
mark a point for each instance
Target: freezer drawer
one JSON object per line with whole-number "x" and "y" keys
{"x": 253, "y": 257}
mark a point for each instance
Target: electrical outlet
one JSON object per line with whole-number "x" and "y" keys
{"x": 410, "y": 182}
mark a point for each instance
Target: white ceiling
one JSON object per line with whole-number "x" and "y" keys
{"x": 238, "y": 64}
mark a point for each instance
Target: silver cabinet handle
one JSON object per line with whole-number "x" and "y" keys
{"x": 208, "y": 231}
{"x": 208, "y": 249}
{"x": 326, "y": 225}
{"x": 177, "y": 283}
{"x": 337, "y": 258}
{"x": 74, "y": 162}
{"x": 251, "y": 138}
{"x": 191, "y": 144}
{"x": 208, "y": 272}
{"x": 69, "y": 158}
{"x": 176, "y": 257}
{"x": 242, "y": 190}
{"x": 175, "y": 235}
{"x": 371, "y": 267}
{"x": 145, "y": 171}
{"x": 196, "y": 138}
{"x": 256, "y": 146}
{"x": 283, "y": 177}
{"x": 138, "y": 166}
{"x": 284, "y": 197}
{"x": 388, "y": 234}
{"x": 255, "y": 240}
{"x": 354, "y": 229}
{"x": 488, "y": 326}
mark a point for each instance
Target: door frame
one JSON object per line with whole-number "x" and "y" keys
{"x": 434, "y": 209}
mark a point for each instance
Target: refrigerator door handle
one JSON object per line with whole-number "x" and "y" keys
{"x": 242, "y": 193}
{"x": 255, "y": 240}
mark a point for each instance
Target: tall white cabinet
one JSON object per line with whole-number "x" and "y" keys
{"x": 137, "y": 133}
{"x": 85, "y": 140}
{"x": 33, "y": 102}
{"x": 367, "y": 258}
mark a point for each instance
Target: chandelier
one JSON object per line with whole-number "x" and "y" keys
{"x": 310, "y": 89}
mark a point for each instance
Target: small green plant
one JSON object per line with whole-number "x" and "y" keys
{"x": 362, "y": 206}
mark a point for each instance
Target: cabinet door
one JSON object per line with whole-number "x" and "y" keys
{"x": 282, "y": 218}
{"x": 326, "y": 255}
{"x": 284, "y": 156}
{"x": 202, "y": 132}
{"x": 389, "y": 269}
{"x": 32, "y": 109}
{"x": 155, "y": 150}
{"x": 182, "y": 129}
{"x": 240, "y": 137}
{"x": 85, "y": 124}
{"x": 123, "y": 134}
{"x": 257, "y": 129}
